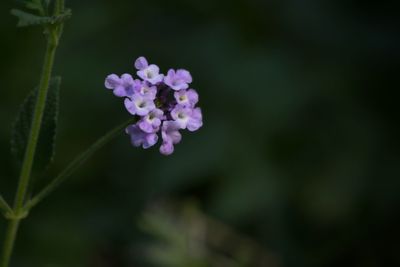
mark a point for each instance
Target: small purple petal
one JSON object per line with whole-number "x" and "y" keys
{"x": 140, "y": 138}
{"x": 181, "y": 115}
{"x": 152, "y": 121}
{"x": 170, "y": 132}
{"x": 193, "y": 96}
{"x": 112, "y": 81}
{"x": 126, "y": 79}
{"x": 139, "y": 105}
{"x": 151, "y": 140}
{"x": 151, "y": 74}
{"x": 141, "y": 63}
{"x": 130, "y": 106}
{"x": 186, "y": 98}
{"x": 166, "y": 148}
{"x": 119, "y": 91}
{"x": 146, "y": 90}
{"x": 145, "y": 126}
{"x": 122, "y": 86}
{"x": 195, "y": 121}
{"x": 178, "y": 80}
{"x": 184, "y": 75}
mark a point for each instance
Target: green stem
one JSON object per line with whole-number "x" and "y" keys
{"x": 29, "y": 153}
{"x": 11, "y": 234}
{"x": 76, "y": 163}
{"x": 35, "y": 128}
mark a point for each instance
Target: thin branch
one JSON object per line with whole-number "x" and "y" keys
{"x": 76, "y": 163}
{"x": 4, "y": 206}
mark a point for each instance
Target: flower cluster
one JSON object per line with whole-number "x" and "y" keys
{"x": 162, "y": 103}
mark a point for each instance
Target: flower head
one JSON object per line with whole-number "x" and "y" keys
{"x": 163, "y": 105}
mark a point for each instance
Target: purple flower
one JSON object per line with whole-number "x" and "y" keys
{"x": 187, "y": 117}
{"x": 121, "y": 86}
{"x": 181, "y": 115}
{"x": 171, "y": 136}
{"x": 139, "y": 105}
{"x": 140, "y": 138}
{"x": 146, "y": 90}
{"x": 148, "y": 72}
{"x": 196, "y": 120}
{"x": 178, "y": 80}
{"x": 186, "y": 98}
{"x": 152, "y": 121}
{"x": 163, "y": 105}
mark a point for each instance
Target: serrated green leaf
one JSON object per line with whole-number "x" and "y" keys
{"x": 21, "y": 128}
{"x": 30, "y": 4}
{"x": 33, "y": 6}
{"x": 28, "y": 19}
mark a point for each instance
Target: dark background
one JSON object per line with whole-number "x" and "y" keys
{"x": 299, "y": 152}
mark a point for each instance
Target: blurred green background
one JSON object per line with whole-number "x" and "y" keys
{"x": 297, "y": 163}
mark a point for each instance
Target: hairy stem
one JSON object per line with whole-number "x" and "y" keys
{"x": 11, "y": 234}
{"x": 35, "y": 128}
{"x": 76, "y": 163}
{"x": 29, "y": 153}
